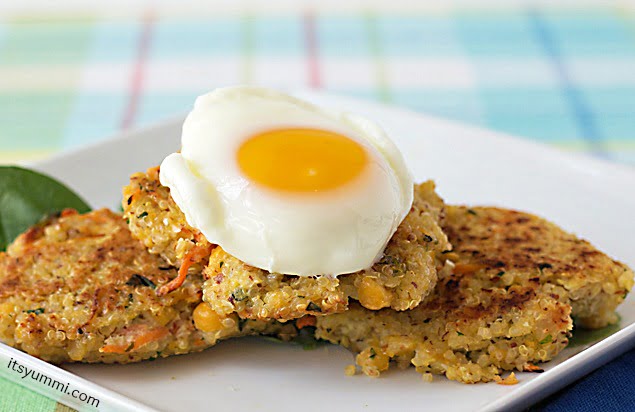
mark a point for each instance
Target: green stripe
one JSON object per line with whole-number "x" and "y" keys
{"x": 376, "y": 52}
{"x": 37, "y": 120}
{"x": 49, "y": 41}
{"x": 34, "y": 121}
{"x": 16, "y": 398}
{"x": 247, "y": 48}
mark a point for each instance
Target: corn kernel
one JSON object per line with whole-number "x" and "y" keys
{"x": 372, "y": 361}
{"x": 372, "y": 295}
{"x": 206, "y": 320}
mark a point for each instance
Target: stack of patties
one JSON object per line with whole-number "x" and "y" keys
{"x": 505, "y": 300}
{"x": 288, "y": 210}
{"x": 300, "y": 215}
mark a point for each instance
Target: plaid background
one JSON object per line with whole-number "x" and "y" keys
{"x": 563, "y": 76}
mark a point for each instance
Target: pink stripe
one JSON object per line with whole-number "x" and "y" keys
{"x": 312, "y": 51}
{"x": 136, "y": 80}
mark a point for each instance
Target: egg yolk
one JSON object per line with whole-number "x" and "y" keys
{"x": 301, "y": 160}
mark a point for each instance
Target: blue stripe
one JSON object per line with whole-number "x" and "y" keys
{"x": 581, "y": 111}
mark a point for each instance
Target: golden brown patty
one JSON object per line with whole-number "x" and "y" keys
{"x": 505, "y": 247}
{"x": 400, "y": 280}
{"x": 465, "y": 331}
{"x": 80, "y": 288}
{"x": 503, "y": 300}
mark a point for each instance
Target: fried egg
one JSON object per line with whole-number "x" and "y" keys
{"x": 286, "y": 186}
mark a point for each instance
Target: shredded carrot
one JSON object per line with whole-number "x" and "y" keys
{"x": 467, "y": 268}
{"x": 68, "y": 212}
{"x": 532, "y": 368}
{"x": 151, "y": 336}
{"x": 199, "y": 342}
{"x": 142, "y": 339}
{"x": 112, "y": 348}
{"x": 305, "y": 321}
{"x": 195, "y": 255}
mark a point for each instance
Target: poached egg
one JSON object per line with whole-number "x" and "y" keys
{"x": 286, "y": 186}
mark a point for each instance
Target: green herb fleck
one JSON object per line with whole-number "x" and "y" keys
{"x": 312, "y": 307}
{"x": 427, "y": 238}
{"x": 501, "y": 273}
{"x": 238, "y": 295}
{"x": 306, "y": 338}
{"x": 220, "y": 265}
{"x": 471, "y": 211}
{"x": 130, "y": 299}
{"x": 547, "y": 339}
{"x": 241, "y": 323}
{"x": 37, "y": 311}
{"x": 459, "y": 333}
{"x": 142, "y": 215}
{"x": 389, "y": 260}
{"x": 138, "y": 280}
{"x": 372, "y": 353}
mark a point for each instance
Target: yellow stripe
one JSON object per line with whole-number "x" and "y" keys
{"x": 63, "y": 408}
{"x": 374, "y": 42}
{"x": 42, "y": 78}
{"x": 22, "y": 156}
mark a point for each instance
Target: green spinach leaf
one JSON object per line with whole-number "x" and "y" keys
{"x": 26, "y": 197}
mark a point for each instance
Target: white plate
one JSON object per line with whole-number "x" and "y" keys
{"x": 591, "y": 198}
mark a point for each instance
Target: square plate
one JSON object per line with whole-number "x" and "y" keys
{"x": 470, "y": 165}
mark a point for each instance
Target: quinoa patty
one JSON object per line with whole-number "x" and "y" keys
{"x": 404, "y": 276}
{"x": 504, "y": 300}
{"x": 505, "y": 247}
{"x": 468, "y": 333}
{"x": 80, "y": 288}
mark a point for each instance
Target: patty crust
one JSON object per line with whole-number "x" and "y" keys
{"x": 506, "y": 247}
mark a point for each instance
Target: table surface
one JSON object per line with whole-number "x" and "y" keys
{"x": 560, "y": 75}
